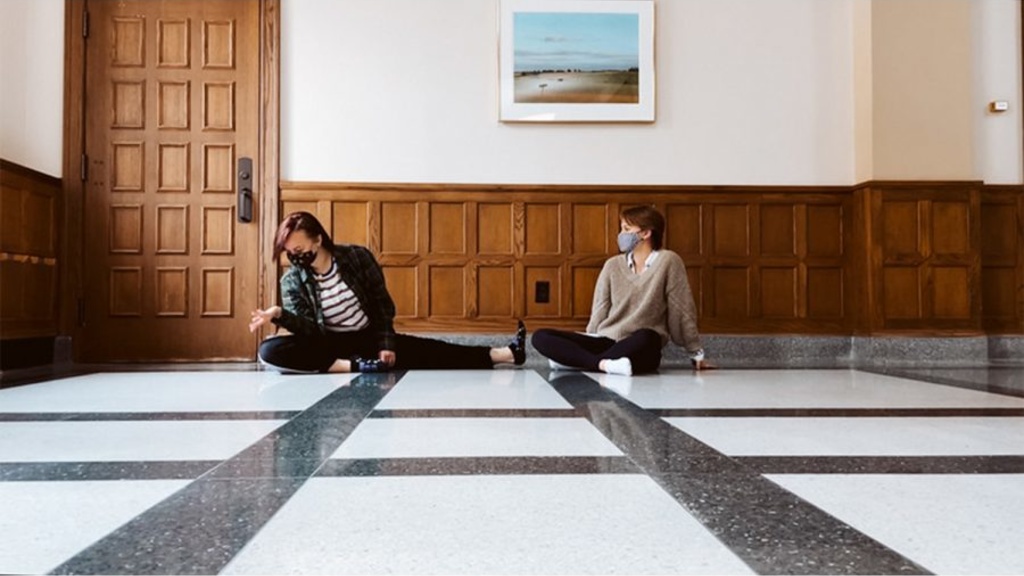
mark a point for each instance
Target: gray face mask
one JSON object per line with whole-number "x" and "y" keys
{"x": 628, "y": 241}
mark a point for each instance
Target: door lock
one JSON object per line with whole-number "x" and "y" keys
{"x": 245, "y": 189}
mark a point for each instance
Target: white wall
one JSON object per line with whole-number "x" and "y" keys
{"x": 923, "y": 125}
{"x": 999, "y": 158}
{"x": 32, "y": 83}
{"x": 757, "y": 92}
{"x": 407, "y": 91}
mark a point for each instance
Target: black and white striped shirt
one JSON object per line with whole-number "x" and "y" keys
{"x": 341, "y": 309}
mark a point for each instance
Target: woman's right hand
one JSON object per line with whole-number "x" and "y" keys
{"x": 699, "y": 365}
{"x": 261, "y": 317}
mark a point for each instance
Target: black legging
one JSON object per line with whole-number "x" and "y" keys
{"x": 318, "y": 353}
{"x": 643, "y": 348}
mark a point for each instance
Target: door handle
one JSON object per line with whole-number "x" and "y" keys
{"x": 245, "y": 189}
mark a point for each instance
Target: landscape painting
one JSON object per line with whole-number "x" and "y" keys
{"x": 577, "y": 60}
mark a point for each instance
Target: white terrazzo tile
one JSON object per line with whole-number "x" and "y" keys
{"x": 891, "y": 436}
{"x": 123, "y": 441}
{"x": 794, "y": 389}
{"x": 472, "y": 389}
{"x": 465, "y": 437}
{"x": 173, "y": 392}
{"x": 42, "y": 524}
{"x": 949, "y": 524}
{"x": 602, "y": 524}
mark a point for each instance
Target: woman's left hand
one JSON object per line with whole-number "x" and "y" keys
{"x": 387, "y": 357}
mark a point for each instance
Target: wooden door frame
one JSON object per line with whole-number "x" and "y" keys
{"x": 72, "y": 234}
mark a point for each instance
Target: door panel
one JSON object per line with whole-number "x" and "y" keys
{"x": 172, "y": 96}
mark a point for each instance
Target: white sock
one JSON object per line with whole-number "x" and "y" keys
{"x": 620, "y": 366}
{"x": 559, "y": 366}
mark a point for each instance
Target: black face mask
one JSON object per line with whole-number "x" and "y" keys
{"x": 303, "y": 259}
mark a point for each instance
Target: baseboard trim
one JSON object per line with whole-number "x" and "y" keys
{"x": 768, "y": 351}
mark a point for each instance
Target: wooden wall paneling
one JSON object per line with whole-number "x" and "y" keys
{"x": 999, "y": 260}
{"x": 450, "y": 224}
{"x": 1002, "y": 265}
{"x": 29, "y": 252}
{"x": 861, "y": 280}
{"x": 471, "y": 251}
{"x": 1019, "y": 328}
{"x": 591, "y": 226}
{"x": 899, "y": 229}
{"x": 732, "y": 291}
{"x": 445, "y": 277}
{"x": 494, "y": 225}
{"x": 823, "y": 230}
{"x": 779, "y": 262}
{"x": 416, "y": 251}
{"x": 581, "y": 290}
{"x": 548, "y": 232}
{"x": 685, "y": 234}
{"x": 401, "y": 230}
{"x": 955, "y": 270}
{"x": 517, "y": 256}
{"x": 786, "y": 253}
{"x": 928, "y": 239}
{"x": 566, "y": 256}
{"x": 543, "y": 228}
{"x": 495, "y": 228}
{"x": 351, "y": 223}
{"x": 447, "y": 291}
{"x": 552, "y": 275}
{"x": 495, "y": 291}
{"x": 404, "y": 286}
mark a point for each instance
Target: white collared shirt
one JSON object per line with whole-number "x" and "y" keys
{"x": 632, "y": 262}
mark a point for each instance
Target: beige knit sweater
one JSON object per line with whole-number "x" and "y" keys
{"x": 659, "y": 299}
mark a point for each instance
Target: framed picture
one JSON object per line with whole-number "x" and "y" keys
{"x": 576, "y": 60}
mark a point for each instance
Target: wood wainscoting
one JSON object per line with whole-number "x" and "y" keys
{"x": 28, "y": 252}
{"x": 1002, "y": 259}
{"x": 923, "y": 258}
{"x": 882, "y": 257}
{"x": 473, "y": 258}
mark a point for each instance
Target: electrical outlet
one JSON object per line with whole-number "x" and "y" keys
{"x": 542, "y": 292}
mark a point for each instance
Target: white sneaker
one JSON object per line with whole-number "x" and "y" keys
{"x": 559, "y": 366}
{"x": 620, "y": 366}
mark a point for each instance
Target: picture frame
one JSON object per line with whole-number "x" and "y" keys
{"x": 576, "y": 60}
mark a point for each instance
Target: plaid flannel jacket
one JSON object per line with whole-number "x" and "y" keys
{"x": 302, "y": 313}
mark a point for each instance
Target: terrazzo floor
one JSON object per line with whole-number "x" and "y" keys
{"x": 515, "y": 471}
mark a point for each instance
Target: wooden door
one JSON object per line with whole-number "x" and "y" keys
{"x": 171, "y": 107}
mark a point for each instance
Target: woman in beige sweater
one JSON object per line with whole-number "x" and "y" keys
{"x": 642, "y": 301}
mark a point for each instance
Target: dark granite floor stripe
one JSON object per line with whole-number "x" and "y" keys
{"x": 517, "y": 465}
{"x": 142, "y": 416}
{"x": 884, "y": 464}
{"x": 833, "y": 412}
{"x": 1016, "y": 389}
{"x": 769, "y": 528}
{"x": 199, "y": 529}
{"x": 475, "y": 413}
{"x": 196, "y": 530}
{"x": 63, "y": 471}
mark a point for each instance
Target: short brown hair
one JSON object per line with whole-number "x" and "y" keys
{"x": 301, "y": 221}
{"x": 647, "y": 218}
